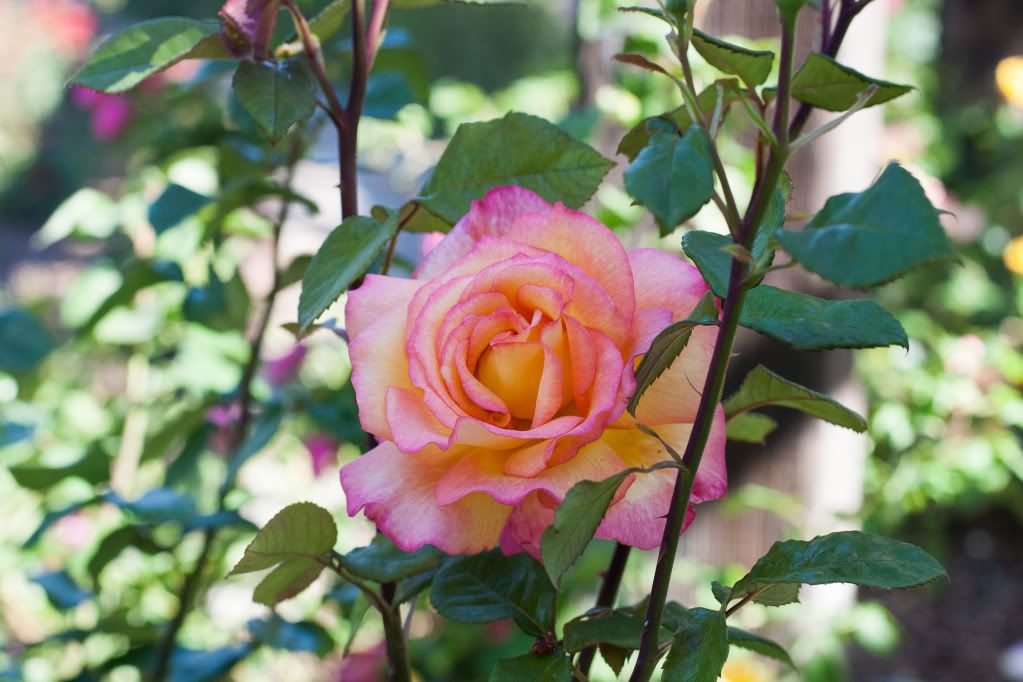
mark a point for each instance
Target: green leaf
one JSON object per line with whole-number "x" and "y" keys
{"x": 188, "y": 665}
{"x": 673, "y": 177}
{"x": 383, "y": 562}
{"x": 668, "y": 345}
{"x": 116, "y": 542}
{"x": 488, "y": 587}
{"x": 844, "y": 557}
{"x": 287, "y": 636}
{"x": 136, "y": 276}
{"x": 184, "y": 466}
{"x": 762, "y": 387}
{"x": 720, "y": 592}
{"x": 555, "y": 667}
{"x": 575, "y": 522}
{"x": 760, "y": 645}
{"x": 296, "y": 541}
{"x": 806, "y": 322}
{"x": 51, "y": 517}
{"x": 615, "y": 656}
{"x": 677, "y": 120}
{"x": 330, "y": 20}
{"x": 259, "y": 436}
{"x": 276, "y": 94}
{"x": 869, "y": 238}
{"x": 824, "y": 83}
{"x": 752, "y": 66}
{"x": 617, "y": 628}
{"x": 518, "y": 149}
{"x": 93, "y": 467}
{"x": 706, "y": 250}
{"x": 750, "y": 427}
{"x": 24, "y": 342}
{"x": 141, "y": 50}
{"x": 345, "y": 255}
{"x": 175, "y": 205}
{"x": 700, "y": 647}
{"x": 61, "y": 590}
{"x": 161, "y": 505}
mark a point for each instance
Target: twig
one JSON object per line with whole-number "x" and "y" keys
{"x": 606, "y": 596}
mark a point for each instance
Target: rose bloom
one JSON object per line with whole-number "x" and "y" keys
{"x": 497, "y": 378}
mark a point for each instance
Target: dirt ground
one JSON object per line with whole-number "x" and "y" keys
{"x": 958, "y": 631}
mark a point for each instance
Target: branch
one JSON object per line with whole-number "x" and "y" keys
{"x": 606, "y": 597}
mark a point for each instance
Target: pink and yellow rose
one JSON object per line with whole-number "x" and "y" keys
{"x": 497, "y": 378}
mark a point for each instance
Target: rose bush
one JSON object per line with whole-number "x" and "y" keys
{"x": 497, "y": 377}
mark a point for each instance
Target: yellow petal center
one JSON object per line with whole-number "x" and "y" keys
{"x": 512, "y": 371}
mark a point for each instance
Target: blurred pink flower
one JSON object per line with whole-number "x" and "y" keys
{"x": 364, "y": 666}
{"x": 322, "y": 451}
{"x": 283, "y": 369}
{"x": 111, "y": 114}
{"x": 75, "y": 530}
{"x": 69, "y": 24}
{"x": 967, "y": 356}
{"x": 223, "y": 417}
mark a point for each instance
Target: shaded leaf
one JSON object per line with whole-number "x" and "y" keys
{"x": 276, "y": 94}
{"x": 806, "y": 322}
{"x": 749, "y": 427}
{"x": 843, "y": 557}
{"x": 93, "y": 467}
{"x": 672, "y": 176}
{"x": 139, "y": 51}
{"x": 699, "y": 649}
{"x": 752, "y": 66}
{"x": 617, "y": 628}
{"x": 872, "y": 237}
{"x": 258, "y": 437}
{"x": 189, "y": 665}
{"x": 24, "y": 342}
{"x": 116, "y": 542}
{"x": 575, "y": 522}
{"x": 161, "y": 505}
{"x": 345, "y": 255}
{"x": 281, "y": 634}
{"x": 174, "y": 205}
{"x": 51, "y": 517}
{"x": 383, "y": 562}
{"x": 488, "y": 587}
{"x": 61, "y": 590}
{"x": 824, "y": 83}
{"x": 668, "y": 345}
{"x": 555, "y": 667}
{"x": 760, "y": 645}
{"x": 762, "y": 387}
{"x": 136, "y": 276}
{"x": 518, "y": 149}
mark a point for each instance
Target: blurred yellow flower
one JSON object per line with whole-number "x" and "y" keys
{"x": 1013, "y": 255}
{"x": 745, "y": 671}
{"x": 1009, "y": 77}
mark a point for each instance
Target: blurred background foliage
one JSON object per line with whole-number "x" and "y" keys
{"x": 123, "y": 337}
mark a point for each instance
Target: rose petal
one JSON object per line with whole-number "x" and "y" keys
{"x": 377, "y": 295}
{"x": 396, "y": 491}
{"x": 378, "y": 361}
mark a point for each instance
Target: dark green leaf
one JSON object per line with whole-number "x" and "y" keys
{"x": 276, "y": 94}
{"x": 844, "y": 557}
{"x": 488, "y": 587}
{"x": 51, "y": 517}
{"x": 750, "y": 427}
{"x": 720, "y": 592}
{"x": 555, "y": 667}
{"x": 175, "y": 205}
{"x": 295, "y": 271}
{"x": 227, "y": 518}
{"x": 92, "y": 467}
{"x": 575, "y": 522}
{"x": 824, "y": 83}
{"x": 752, "y": 66}
{"x": 11, "y": 433}
{"x": 188, "y": 665}
{"x": 286, "y": 580}
{"x": 24, "y": 342}
{"x": 116, "y": 542}
{"x": 762, "y": 387}
{"x": 760, "y": 645}
{"x": 615, "y": 657}
{"x": 617, "y": 628}
{"x": 185, "y": 464}
{"x": 677, "y": 120}
{"x": 705, "y": 249}
{"x": 870, "y": 238}
{"x": 806, "y": 322}
{"x": 699, "y": 649}
{"x": 162, "y": 505}
{"x": 518, "y": 149}
{"x": 409, "y": 588}
{"x": 668, "y": 345}
{"x": 139, "y": 51}
{"x": 383, "y": 562}
{"x": 345, "y": 255}
{"x": 61, "y": 590}
{"x": 673, "y": 177}
{"x": 281, "y": 634}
